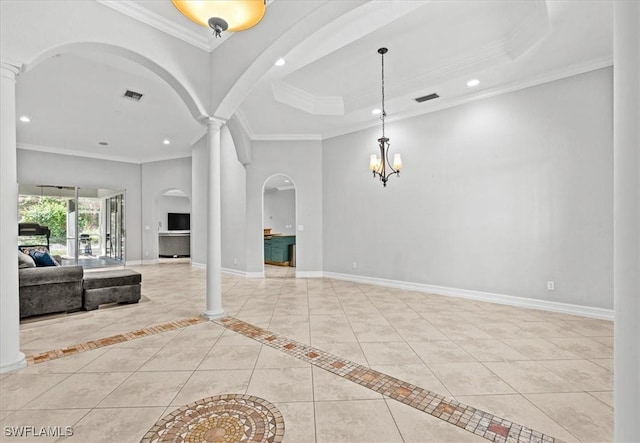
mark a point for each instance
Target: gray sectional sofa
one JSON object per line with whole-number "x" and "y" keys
{"x": 50, "y": 289}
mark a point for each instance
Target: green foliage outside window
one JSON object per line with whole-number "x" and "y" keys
{"x": 52, "y": 212}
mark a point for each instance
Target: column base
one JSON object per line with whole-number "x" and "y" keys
{"x": 213, "y": 315}
{"x": 19, "y": 363}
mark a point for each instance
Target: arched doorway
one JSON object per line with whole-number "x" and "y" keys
{"x": 279, "y": 225}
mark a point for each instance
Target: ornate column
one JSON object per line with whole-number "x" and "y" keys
{"x": 626, "y": 219}
{"x": 10, "y": 356}
{"x": 214, "y": 233}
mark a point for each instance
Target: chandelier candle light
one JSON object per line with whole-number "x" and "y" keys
{"x": 223, "y": 15}
{"x": 380, "y": 165}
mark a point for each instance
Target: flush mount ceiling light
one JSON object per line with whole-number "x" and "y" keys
{"x": 25, "y": 119}
{"x": 223, "y": 15}
{"x": 379, "y": 165}
{"x": 166, "y": 141}
{"x": 280, "y": 62}
{"x": 472, "y": 83}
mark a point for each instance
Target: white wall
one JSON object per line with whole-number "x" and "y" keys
{"x": 157, "y": 178}
{"x": 46, "y": 168}
{"x": 302, "y": 161}
{"x": 233, "y": 205}
{"x": 500, "y": 196}
{"x": 280, "y": 211}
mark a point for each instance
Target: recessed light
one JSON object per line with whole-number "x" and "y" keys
{"x": 166, "y": 142}
{"x": 103, "y": 143}
{"x": 376, "y": 111}
{"x": 287, "y": 181}
{"x": 280, "y": 62}
{"x": 472, "y": 83}
{"x": 25, "y": 119}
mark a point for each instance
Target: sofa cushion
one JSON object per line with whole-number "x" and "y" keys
{"x": 25, "y": 260}
{"x": 105, "y": 279}
{"x": 49, "y": 274}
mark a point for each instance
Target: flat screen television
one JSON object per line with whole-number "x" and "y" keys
{"x": 178, "y": 222}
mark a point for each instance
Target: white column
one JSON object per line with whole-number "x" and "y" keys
{"x": 626, "y": 220}
{"x": 214, "y": 233}
{"x": 10, "y": 356}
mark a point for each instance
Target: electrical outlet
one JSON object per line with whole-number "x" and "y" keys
{"x": 551, "y": 286}
{"x": 354, "y": 265}
{"x": 235, "y": 261}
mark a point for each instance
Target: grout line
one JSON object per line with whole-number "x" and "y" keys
{"x": 476, "y": 421}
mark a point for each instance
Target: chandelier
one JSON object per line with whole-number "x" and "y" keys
{"x": 223, "y": 15}
{"x": 379, "y": 166}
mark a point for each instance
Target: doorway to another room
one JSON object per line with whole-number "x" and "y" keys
{"x": 279, "y": 227}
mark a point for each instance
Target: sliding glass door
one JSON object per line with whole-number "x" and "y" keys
{"x": 87, "y": 225}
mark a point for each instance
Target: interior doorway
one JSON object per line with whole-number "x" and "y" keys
{"x": 279, "y": 227}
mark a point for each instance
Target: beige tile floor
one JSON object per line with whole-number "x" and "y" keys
{"x": 548, "y": 371}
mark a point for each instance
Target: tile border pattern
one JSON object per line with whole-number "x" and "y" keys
{"x": 222, "y": 418}
{"x": 476, "y": 421}
{"x": 112, "y": 340}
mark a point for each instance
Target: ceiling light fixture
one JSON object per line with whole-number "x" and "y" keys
{"x": 376, "y": 111}
{"x": 280, "y": 62}
{"x": 166, "y": 142}
{"x": 223, "y": 15}
{"x": 472, "y": 83}
{"x": 379, "y": 165}
{"x": 25, "y": 119}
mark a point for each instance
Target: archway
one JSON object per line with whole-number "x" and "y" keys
{"x": 279, "y": 224}
{"x": 181, "y": 87}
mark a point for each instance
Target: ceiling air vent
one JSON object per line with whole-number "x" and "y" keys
{"x": 426, "y": 97}
{"x": 133, "y": 95}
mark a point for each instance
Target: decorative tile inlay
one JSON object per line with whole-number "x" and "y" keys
{"x": 112, "y": 340}
{"x": 474, "y": 420}
{"x": 229, "y": 418}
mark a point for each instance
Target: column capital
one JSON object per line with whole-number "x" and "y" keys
{"x": 10, "y": 68}
{"x": 212, "y": 122}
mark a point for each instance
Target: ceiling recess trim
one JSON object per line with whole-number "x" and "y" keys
{"x": 444, "y": 103}
{"x": 144, "y": 15}
{"x": 304, "y": 101}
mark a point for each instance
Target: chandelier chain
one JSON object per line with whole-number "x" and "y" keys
{"x": 384, "y": 113}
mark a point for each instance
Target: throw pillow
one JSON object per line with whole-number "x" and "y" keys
{"x": 42, "y": 258}
{"x": 25, "y": 260}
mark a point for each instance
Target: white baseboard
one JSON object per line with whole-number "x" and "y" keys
{"x": 237, "y": 272}
{"x": 254, "y": 274}
{"x": 565, "y": 308}
{"x": 150, "y": 262}
{"x": 198, "y": 265}
{"x": 309, "y": 274}
{"x": 133, "y": 263}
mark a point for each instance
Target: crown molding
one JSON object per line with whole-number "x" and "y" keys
{"x": 311, "y": 104}
{"x": 115, "y": 158}
{"x": 287, "y": 137}
{"x": 558, "y": 74}
{"x": 148, "y": 17}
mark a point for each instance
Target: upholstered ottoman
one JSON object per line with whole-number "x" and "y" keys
{"x": 118, "y": 286}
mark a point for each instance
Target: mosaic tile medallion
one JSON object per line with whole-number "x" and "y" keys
{"x": 228, "y": 418}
